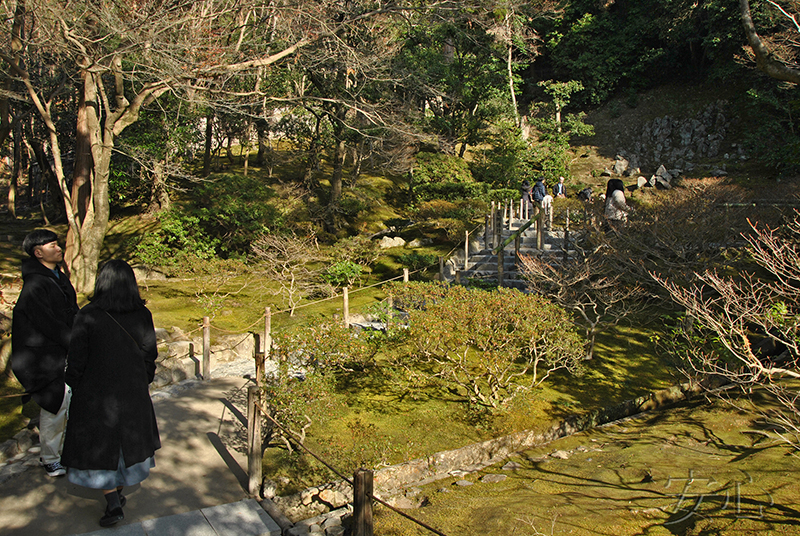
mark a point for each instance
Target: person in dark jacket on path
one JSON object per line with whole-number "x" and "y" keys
{"x": 112, "y": 434}
{"x": 539, "y": 190}
{"x": 40, "y": 336}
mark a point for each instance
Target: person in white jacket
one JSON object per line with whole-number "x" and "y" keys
{"x": 616, "y": 209}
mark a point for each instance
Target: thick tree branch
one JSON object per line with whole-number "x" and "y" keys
{"x": 764, "y": 59}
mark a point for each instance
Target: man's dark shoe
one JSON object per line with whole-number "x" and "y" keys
{"x": 54, "y": 469}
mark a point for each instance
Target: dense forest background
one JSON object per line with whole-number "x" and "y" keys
{"x": 109, "y": 107}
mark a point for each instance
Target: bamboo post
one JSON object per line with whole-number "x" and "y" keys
{"x": 253, "y": 442}
{"x": 362, "y": 503}
{"x": 267, "y": 331}
{"x": 516, "y": 247}
{"x": 458, "y": 277}
{"x": 206, "y": 348}
{"x": 466, "y": 250}
{"x": 486, "y": 232}
{"x": 521, "y": 213}
{"x": 346, "y": 307}
{"x": 510, "y": 210}
{"x": 405, "y": 275}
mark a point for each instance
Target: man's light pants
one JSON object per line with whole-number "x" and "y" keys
{"x": 51, "y": 430}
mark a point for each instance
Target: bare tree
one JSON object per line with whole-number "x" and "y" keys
{"x": 744, "y": 328}
{"x": 777, "y": 56}
{"x": 589, "y": 286}
{"x": 293, "y": 263}
{"x": 121, "y": 56}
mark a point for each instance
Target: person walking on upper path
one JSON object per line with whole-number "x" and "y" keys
{"x": 112, "y": 434}
{"x": 40, "y": 337}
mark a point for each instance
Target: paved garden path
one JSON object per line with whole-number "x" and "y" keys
{"x": 197, "y": 487}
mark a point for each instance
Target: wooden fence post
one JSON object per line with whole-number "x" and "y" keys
{"x": 253, "y": 442}
{"x": 267, "y": 331}
{"x": 258, "y": 356}
{"x": 492, "y": 221}
{"x": 405, "y": 275}
{"x": 362, "y": 503}
{"x": 346, "y": 306}
{"x": 540, "y": 228}
{"x": 501, "y": 260}
{"x": 566, "y": 238}
{"x": 466, "y": 250}
{"x": 206, "y": 348}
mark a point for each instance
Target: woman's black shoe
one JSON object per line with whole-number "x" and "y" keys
{"x": 111, "y": 517}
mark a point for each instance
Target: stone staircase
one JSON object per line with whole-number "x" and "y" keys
{"x": 482, "y": 263}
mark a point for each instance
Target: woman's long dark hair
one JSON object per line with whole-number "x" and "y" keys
{"x": 115, "y": 288}
{"x": 613, "y": 185}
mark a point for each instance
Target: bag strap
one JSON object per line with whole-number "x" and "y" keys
{"x": 138, "y": 346}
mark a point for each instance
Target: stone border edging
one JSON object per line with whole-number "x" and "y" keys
{"x": 392, "y": 480}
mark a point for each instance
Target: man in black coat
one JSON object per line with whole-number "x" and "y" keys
{"x": 40, "y": 335}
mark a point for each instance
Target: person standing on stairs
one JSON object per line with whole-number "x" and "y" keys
{"x": 539, "y": 191}
{"x": 525, "y": 191}
{"x": 112, "y": 434}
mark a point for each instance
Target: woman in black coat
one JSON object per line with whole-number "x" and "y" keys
{"x": 112, "y": 434}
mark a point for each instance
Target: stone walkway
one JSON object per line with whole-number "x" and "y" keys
{"x": 198, "y": 487}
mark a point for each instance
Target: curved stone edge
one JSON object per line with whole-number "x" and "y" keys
{"x": 391, "y": 481}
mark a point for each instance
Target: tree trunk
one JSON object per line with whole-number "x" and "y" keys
{"x": 87, "y": 231}
{"x": 159, "y": 195}
{"x": 309, "y": 180}
{"x": 764, "y": 60}
{"x": 47, "y": 173}
{"x": 15, "y": 171}
{"x": 358, "y": 159}
{"x": 82, "y": 171}
{"x": 208, "y": 144}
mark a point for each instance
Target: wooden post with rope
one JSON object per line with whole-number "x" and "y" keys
{"x": 466, "y": 250}
{"x": 500, "y": 265}
{"x": 267, "y": 331}
{"x": 253, "y": 442}
{"x": 362, "y": 503}
{"x": 206, "y": 348}
{"x": 346, "y": 307}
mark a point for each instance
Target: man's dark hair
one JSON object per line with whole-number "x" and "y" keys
{"x": 115, "y": 288}
{"x": 39, "y": 237}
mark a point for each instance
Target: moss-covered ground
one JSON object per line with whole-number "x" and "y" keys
{"x": 687, "y": 471}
